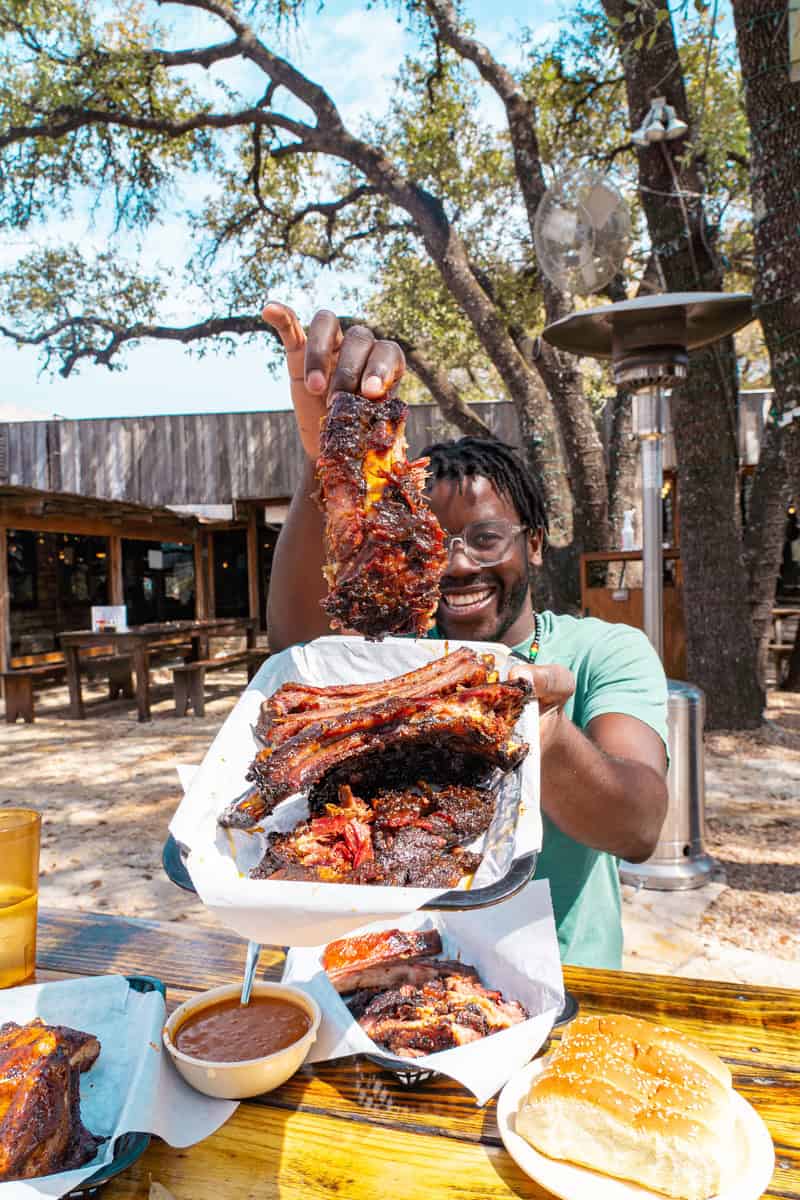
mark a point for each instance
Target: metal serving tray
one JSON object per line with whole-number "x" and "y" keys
{"x": 512, "y": 874}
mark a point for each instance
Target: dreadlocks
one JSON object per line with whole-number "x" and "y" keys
{"x": 495, "y": 461}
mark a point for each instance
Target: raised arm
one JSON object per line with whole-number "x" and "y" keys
{"x": 320, "y": 363}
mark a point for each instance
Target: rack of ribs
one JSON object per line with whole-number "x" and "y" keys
{"x": 40, "y": 1123}
{"x": 385, "y": 550}
{"x": 294, "y": 705}
{"x": 475, "y": 721}
{"x": 409, "y": 1001}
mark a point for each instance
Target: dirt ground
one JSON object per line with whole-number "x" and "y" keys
{"x": 107, "y": 787}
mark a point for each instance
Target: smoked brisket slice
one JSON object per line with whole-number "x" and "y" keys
{"x": 452, "y": 1010}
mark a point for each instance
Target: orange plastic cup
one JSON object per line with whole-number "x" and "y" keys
{"x": 19, "y": 893}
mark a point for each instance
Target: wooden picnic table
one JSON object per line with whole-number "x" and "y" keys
{"x": 140, "y": 641}
{"x": 349, "y": 1130}
{"x": 779, "y": 615}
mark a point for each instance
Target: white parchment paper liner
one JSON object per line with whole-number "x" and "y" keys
{"x": 132, "y": 1088}
{"x": 289, "y": 913}
{"x": 514, "y": 948}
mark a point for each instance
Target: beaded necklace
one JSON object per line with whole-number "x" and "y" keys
{"x": 533, "y": 649}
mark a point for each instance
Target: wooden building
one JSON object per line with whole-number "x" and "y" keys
{"x": 173, "y": 516}
{"x": 177, "y": 516}
{"x": 207, "y": 459}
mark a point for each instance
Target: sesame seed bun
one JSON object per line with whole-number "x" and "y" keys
{"x": 637, "y": 1101}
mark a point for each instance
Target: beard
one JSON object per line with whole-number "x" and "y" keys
{"x": 513, "y": 604}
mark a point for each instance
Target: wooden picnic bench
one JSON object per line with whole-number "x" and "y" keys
{"x": 778, "y": 648}
{"x": 27, "y": 669}
{"x": 189, "y": 679}
{"x": 144, "y": 641}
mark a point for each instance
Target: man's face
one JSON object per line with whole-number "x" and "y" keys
{"x": 480, "y": 603}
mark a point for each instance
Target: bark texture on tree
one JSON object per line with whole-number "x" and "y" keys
{"x": 772, "y": 102}
{"x": 623, "y": 459}
{"x": 721, "y": 652}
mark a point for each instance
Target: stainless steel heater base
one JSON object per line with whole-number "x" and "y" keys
{"x": 679, "y": 861}
{"x": 669, "y": 877}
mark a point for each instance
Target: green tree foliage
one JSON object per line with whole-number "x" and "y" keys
{"x": 425, "y": 212}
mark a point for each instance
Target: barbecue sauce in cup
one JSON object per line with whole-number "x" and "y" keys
{"x": 233, "y": 1032}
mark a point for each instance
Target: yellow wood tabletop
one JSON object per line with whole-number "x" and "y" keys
{"x": 351, "y": 1131}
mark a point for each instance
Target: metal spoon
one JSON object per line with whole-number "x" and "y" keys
{"x": 253, "y": 951}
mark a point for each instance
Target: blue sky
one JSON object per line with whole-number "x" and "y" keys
{"x": 163, "y": 377}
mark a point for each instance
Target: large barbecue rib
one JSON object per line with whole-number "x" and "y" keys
{"x": 40, "y": 1124}
{"x": 477, "y": 721}
{"x": 385, "y": 550}
{"x": 286, "y": 711}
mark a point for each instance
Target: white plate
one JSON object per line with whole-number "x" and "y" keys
{"x": 570, "y": 1182}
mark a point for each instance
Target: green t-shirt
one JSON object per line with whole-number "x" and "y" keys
{"x": 616, "y": 670}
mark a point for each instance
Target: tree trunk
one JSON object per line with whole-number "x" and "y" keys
{"x": 560, "y": 373}
{"x": 720, "y": 649}
{"x": 583, "y": 446}
{"x": 773, "y": 486}
{"x": 771, "y": 104}
{"x": 623, "y": 458}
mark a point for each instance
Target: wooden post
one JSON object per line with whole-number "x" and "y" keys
{"x": 116, "y": 585}
{"x": 5, "y": 602}
{"x": 201, "y": 577}
{"x": 208, "y": 555}
{"x": 252, "y": 565}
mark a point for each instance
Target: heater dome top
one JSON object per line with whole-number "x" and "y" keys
{"x": 680, "y": 320}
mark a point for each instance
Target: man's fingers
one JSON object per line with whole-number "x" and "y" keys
{"x": 327, "y": 360}
{"x": 383, "y": 369}
{"x": 552, "y": 684}
{"x": 286, "y": 323}
{"x": 365, "y": 366}
{"x": 354, "y": 353}
{"x": 322, "y": 349}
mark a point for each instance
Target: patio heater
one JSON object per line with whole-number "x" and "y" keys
{"x": 648, "y": 342}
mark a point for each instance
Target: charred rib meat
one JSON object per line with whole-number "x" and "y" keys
{"x": 447, "y": 1012}
{"x": 294, "y": 705}
{"x": 349, "y": 961}
{"x": 40, "y": 1124}
{"x": 398, "y": 839}
{"x": 384, "y": 548}
{"x": 475, "y": 721}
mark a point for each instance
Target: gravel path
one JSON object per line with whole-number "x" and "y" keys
{"x": 107, "y": 787}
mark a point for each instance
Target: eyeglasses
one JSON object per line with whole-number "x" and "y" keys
{"x": 485, "y": 543}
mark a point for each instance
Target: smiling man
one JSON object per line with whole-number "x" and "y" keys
{"x": 601, "y": 687}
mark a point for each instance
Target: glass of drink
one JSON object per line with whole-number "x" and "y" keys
{"x": 19, "y": 892}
